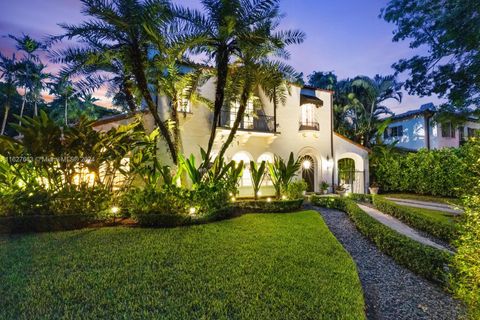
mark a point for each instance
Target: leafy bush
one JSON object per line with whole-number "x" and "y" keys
{"x": 444, "y": 231}
{"x": 277, "y": 206}
{"x": 424, "y": 260}
{"x": 441, "y": 172}
{"x": 466, "y": 263}
{"x": 282, "y": 173}
{"x": 295, "y": 189}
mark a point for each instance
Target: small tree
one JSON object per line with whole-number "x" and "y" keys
{"x": 257, "y": 174}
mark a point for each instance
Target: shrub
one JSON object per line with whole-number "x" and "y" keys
{"x": 424, "y": 260}
{"x": 276, "y": 206}
{"x": 444, "y": 231}
{"x": 439, "y": 172}
{"x": 295, "y": 189}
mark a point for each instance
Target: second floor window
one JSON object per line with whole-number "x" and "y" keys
{"x": 247, "y": 116}
{"x": 393, "y": 132}
{"x": 448, "y": 131}
{"x": 308, "y": 114}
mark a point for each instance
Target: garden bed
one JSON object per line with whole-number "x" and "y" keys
{"x": 278, "y": 266}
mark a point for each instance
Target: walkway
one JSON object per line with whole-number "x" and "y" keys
{"x": 400, "y": 227}
{"x": 391, "y": 291}
{"x": 427, "y": 205}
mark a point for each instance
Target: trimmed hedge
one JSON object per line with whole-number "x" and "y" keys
{"x": 434, "y": 227}
{"x": 424, "y": 260}
{"x": 238, "y": 208}
{"x": 44, "y": 223}
{"x": 274, "y": 206}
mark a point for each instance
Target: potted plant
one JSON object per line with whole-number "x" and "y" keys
{"x": 373, "y": 188}
{"x": 324, "y": 187}
{"x": 340, "y": 190}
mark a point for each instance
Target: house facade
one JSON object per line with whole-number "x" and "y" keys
{"x": 416, "y": 129}
{"x": 302, "y": 125}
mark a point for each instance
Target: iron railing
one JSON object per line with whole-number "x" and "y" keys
{"x": 252, "y": 122}
{"x": 310, "y": 125}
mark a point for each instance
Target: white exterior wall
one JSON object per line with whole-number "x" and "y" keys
{"x": 195, "y": 131}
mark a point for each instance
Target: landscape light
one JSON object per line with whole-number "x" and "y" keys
{"x": 115, "y": 210}
{"x": 269, "y": 199}
{"x": 192, "y": 210}
{"x": 233, "y": 199}
{"x": 259, "y": 193}
{"x": 284, "y": 197}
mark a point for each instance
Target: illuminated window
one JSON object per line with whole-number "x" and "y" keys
{"x": 185, "y": 104}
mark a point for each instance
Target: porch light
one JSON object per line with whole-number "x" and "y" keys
{"x": 329, "y": 163}
{"x": 306, "y": 164}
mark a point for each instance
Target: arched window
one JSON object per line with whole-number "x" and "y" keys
{"x": 246, "y": 179}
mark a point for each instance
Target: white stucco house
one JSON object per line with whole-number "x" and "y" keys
{"x": 302, "y": 125}
{"x": 416, "y": 129}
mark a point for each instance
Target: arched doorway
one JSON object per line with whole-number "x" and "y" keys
{"x": 308, "y": 172}
{"x": 351, "y": 175}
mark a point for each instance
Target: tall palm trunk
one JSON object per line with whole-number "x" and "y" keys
{"x": 66, "y": 110}
{"x": 24, "y": 99}
{"x": 222, "y": 68}
{"x": 238, "y": 119}
{"x": 176, "y": 125}
{"x": 139, "y": 72}
{"x": 35, "y": 108}
{"x": 5, "y": 117}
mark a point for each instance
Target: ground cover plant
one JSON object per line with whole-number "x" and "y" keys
{"x": 252, "y": 267}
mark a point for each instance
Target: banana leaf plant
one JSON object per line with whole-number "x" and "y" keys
{"x": 257, "y": 175}
{"x": 282, "y": 173}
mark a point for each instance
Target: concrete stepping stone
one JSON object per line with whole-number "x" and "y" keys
{"x": 427, "y": 205}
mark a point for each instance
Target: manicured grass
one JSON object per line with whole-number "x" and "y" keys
{"x": 440, "y": 216}
{"x": 257, "y": 266}
{"x": 420, "y": 197}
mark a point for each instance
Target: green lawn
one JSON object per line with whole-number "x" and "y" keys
{"x": 257, "y": 266}
{"x": 420, "y": 197}
{"x": 440, "y": 216}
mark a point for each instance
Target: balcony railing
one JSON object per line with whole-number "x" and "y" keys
{"x": 309, "y": 125}
{"x": 256, "y": 122}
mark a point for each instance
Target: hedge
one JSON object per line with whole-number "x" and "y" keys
{"x": 424, "y": 260}
{"x": 275, "y": 206}
{"x": 434, "y": 227}
{"x": 441, "y": 172}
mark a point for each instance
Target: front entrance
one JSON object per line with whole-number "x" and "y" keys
{"x": 353, "y": 180}
{"x": 308, "y": 172}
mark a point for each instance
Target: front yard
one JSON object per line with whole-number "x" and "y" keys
{"x": 257, "y": 266}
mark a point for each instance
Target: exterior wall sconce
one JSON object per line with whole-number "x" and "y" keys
{"x": 329, "y": 163}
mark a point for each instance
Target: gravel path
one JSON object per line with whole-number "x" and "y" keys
{"x": 391, "y": 291}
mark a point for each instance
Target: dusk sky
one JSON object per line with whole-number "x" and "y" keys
{"x": 344, "y": 36}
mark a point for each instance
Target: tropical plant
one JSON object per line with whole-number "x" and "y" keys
{"x": 324, "y": 185}
{"x": 225, "y": 29}
{"x": 8, "y": 69}
{"x": 257, "y": 172}
{"x": 296, "y": 189}
{"x": 282, "y": 173}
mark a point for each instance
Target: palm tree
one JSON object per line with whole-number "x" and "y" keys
{"x": 63, "y": 88}
{"x": 117, "y": 32}
{"x": 223, "y": 30}
{"x": 7, "y": 73}
{"x": 30, "y": 72}
{"x": 369, "y": 94}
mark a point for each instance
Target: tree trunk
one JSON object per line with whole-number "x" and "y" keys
{"x": 127, "y": 89}
{"x": 35, "y": 108}
{"x": 139, "y": 73}
{"x": 238, "y": 119}
{"x": 24, "y": 99}
{"x": 222, "y": 73}
{"x": 5, "y": 117}
{"x": 66, "y": 110}
{"x": 176, "y": 125}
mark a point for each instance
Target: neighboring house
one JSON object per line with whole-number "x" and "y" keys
{"x": 303, "y": 125}
{"x": 416, "y": 129}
